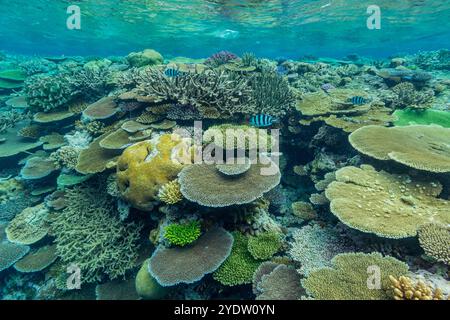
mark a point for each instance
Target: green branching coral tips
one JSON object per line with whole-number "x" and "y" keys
{"x": 191, "y": 263}
{"x": 240, "y": 266}
{"x": 182, "y": 234}
{"x": 264, "y": 245}
{"x": 207, "y": 186}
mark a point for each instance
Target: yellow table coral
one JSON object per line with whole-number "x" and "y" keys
{"x": 146, "y": 166}
{"x": 420, "y": 147}
{"x": 392, "y": 206}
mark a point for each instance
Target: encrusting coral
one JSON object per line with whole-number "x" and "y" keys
{"x": 89, "y": 233}
{"x": 388, "y": 205}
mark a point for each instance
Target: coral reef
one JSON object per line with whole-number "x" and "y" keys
{"x": 348, "y": 277}
{"x": 182, "y": 234}
{"x": 435, "y": 240}
{"x": 190, "y": 264}
{"x": 89, "y": 233}
{"x": 404, "y": 289}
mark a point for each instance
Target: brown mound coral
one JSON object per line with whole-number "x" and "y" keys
{"x": 417, "y": 146}
{"x": 435, "y": 241}
{"x": 207, "y": 186}
{"x": 144, "y": 168}
{"x": 392, "y": 206}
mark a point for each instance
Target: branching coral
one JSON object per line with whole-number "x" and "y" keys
{"x": 225, "y": 93}
{"x": 88, "y": 233}
{"x": 240, "y": 266}
{"x": 271, "y": 94}
{"x": 170, "y": 193}
{"x": 264, "y": 245}
{"x": 182, "y": 234}
{"x": 408, "y": 97}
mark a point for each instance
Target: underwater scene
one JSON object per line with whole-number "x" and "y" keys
{"x": 224, "y": 150}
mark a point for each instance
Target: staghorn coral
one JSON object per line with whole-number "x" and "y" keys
{"x": 191, "y": 263}
{"x": 403, "y": 288}
{"x": 240, "y": 265}
{"x": 170, "y": 193}
{"x": 88, "y": 233}
{"x": 271, "y": 94}
{"x": 204, "y": 184}
{"x": 347, "y": 279}
{"x": 9, "y": 119}
{"x": 144, "y": 168}
{"x": 227, "y": 94}
{"x": 264, "y": 245}
{"x": 420, "y": 147}
{"x": 182, "y": 234}
{"x": 391, "y": 206}
{"x": 435, "y": 241}
{"x": 220, "y": 58}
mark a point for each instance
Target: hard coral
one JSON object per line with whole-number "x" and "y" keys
{"x": 89, "y": 233}
{"x": 182, "y": 234}
{"x": 403, "y": 288}
{"x": 144, "y": 168}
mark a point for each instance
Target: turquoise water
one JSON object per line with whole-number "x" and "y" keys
{"x": 199, "y": 28}
{"x": 212, "y": 150}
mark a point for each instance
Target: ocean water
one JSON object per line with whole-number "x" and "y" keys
{"x": 209, "y": 150}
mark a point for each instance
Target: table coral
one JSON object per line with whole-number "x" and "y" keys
{"x": 191, "y": 263}
{"x": 420, "y": 147}
{"x": 283, "y": 283}
{"x": 29, "y": 226}
{"x": 347, "y": 279}
{"x": 388, "y": 205}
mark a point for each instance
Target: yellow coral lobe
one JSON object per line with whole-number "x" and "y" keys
{"x": 144, "y": 167}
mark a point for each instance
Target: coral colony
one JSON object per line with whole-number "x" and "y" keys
{"x": 141, "y": 177}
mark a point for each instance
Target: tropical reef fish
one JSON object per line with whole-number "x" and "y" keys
{"x": 262, "y": 120}
{"x": 171, "y": 72}
{"x": 358, "y": 100}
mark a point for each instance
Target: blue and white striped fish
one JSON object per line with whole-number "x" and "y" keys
{"x": 172, "y": 72}
{"x": 357, "y": 100}
{"x": 262, "y": 120}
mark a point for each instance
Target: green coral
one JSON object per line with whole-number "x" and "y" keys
{"x": 264, "y": 245}
{"x": 408, "y": 116}
{"x": 240, "y": 265}
{"x": 349, "y": 277}
{"x": 182, "y": 234}
{"x": 89, "y": 233}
